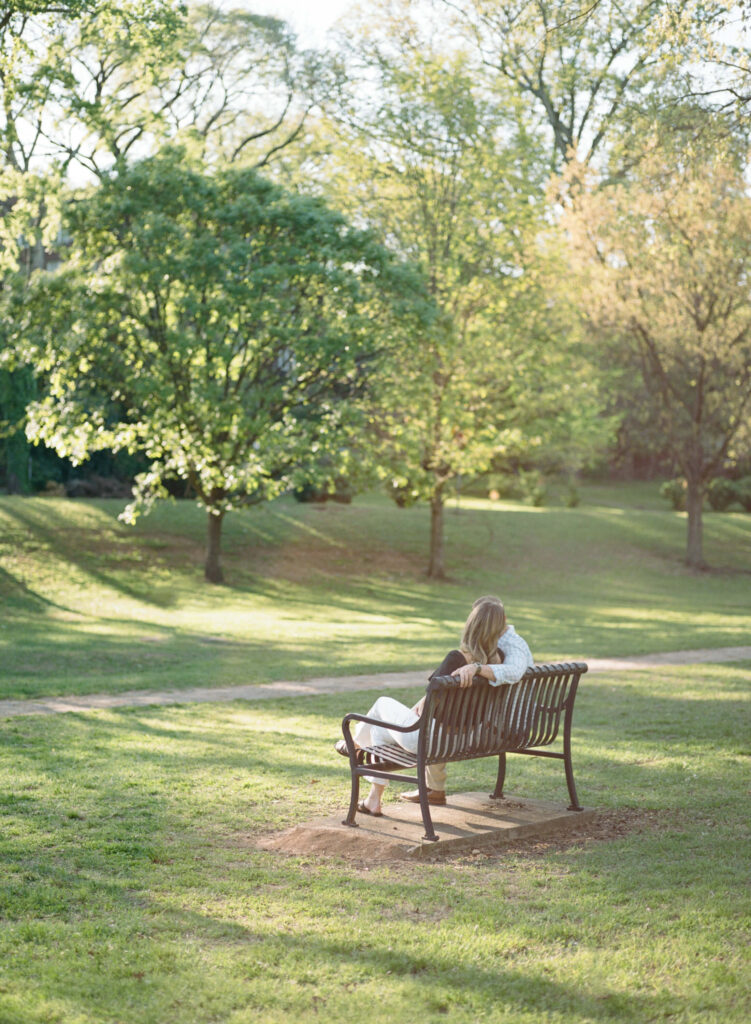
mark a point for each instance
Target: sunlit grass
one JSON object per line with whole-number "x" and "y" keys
{"x": 92, "y": 605}
{"x": 132, "y": 890}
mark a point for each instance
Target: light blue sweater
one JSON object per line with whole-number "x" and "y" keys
{"x": 517, "y": 658}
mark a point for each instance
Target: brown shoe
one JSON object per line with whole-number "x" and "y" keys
{"x": 435, "y": 796}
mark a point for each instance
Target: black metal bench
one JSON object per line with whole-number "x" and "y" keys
{"x": 461, "y": 724}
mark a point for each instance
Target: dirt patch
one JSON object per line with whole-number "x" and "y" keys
{"x": 304, "y": 841}
{"x": 352, "y": 845}
{"x": 605, "y": 827}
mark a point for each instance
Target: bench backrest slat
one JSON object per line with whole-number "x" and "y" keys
{"x": 548, "y": 705}
{"x": 484, "y": 719}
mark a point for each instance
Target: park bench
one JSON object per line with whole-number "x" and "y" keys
{"x": 461, "y": 724}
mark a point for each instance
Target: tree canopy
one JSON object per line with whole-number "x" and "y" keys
{"x": 441, "y": 126}
{"x": 666, "y": 261}
{"x": 588, "y": 71}
{"x": 449, "y": 173}
{"x": 212, "y": 320}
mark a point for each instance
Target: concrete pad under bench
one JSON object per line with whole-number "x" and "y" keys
{"x": 468, "y": 821}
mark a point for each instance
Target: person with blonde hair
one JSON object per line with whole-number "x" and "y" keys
{"x": 490, "y": 647}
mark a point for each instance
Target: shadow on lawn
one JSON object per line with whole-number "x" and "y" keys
{"x": 91, "y": 886}
{"x": 130, "y": 843}
{"x": 90, "y": 544}
{"x": 64, "y": 658}
{"x": 441, "y": 983}
{"x": 629, "y": 615}
{"x": 440, "y": 986}
{"x": 191, "y": 752}
{"x": 18, "y": 597}
{"x": 648, "y": 746}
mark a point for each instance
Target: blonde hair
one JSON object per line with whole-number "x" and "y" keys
{"x": 484, "y": 626}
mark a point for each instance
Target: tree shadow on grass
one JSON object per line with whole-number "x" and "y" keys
{"x": 64, "y": 659}
{"x": 648, "y": 746}
{"x": 201, "y": 943}
{"x": 20, "y": 600}
{"x": 83, "y": 555}
{"x": 111, "y": 852}
{"x": 59, "y": 658}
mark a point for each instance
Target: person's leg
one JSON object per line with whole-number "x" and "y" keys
{"x": 390, "y": 711}
{"x": 435, "y": 774}
{"x": 435, "y": 777}
{"x": 373, "y": 800}
{"x": 366, "y": 735}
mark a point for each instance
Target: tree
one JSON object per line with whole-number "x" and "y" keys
{"x": 34, "y": 89}
{"x": 449, "y": 175}
{"x": 589, "y": 69}
{"x": 41, "y": 91}
{"x": 212, "y": 320}
{"x": 122, "y": 85}
{"x": 667, "y": 261}
{"x": 717, "y": 71}
{"x": 88, "y": 87}
{"x": 11, "y": 10}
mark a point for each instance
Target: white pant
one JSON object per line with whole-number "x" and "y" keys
{"x": 393, "y": 711}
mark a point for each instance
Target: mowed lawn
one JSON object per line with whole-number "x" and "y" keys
{"x": 132, "y": 891}
{"x": 91, "y": 605}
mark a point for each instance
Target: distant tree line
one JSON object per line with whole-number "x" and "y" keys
{"x": 466, "y": 240}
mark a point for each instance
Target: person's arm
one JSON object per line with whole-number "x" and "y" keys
{"x": 517, "y": 659}
{"x": 449, "y": 665}
{"x": 467, "y": 673}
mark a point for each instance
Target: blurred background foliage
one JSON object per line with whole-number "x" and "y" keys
{"x": 532, "y": 166}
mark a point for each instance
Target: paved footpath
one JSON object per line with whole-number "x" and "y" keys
{"x": 335, "y": 684}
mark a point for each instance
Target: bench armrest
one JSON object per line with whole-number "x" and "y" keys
{"x": 352, "y": 717}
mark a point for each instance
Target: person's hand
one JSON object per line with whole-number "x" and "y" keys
{"x": 466, "y": 674}
{"x": 417, "y": 709}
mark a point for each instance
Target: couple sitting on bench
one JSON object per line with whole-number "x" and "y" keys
{"x": 489, "y": 647}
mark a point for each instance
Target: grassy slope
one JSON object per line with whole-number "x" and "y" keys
{"x": 131, "y": 891}
{"x": 90, "y": 605}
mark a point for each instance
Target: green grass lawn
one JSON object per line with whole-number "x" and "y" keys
{"x": 132, "y": 892}
{"x": 90, "y": 605}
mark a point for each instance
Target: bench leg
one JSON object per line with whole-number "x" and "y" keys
{"x": 574, "y": 805}
{"x": 422, "y": 788}
{"x": 497, "y": 793}
{"x": 354, "y": 797}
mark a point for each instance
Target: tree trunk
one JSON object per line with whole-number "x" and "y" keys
{"x": 435, "y": 569}
{"x": 213, "y": 571}
{"x": 694, "y": 546}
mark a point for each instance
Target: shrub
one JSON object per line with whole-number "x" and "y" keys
{"x": 572, "y": 496}
{"x": 309, "y": 492}
{"x": 508, "y": 486}
{"x": 534, "y": 488}
{"x": 743, "y": 492}
{"x": 721, "y": 493}
{"x": 675, "y": 492}
{"x": 338, "y": 490}
{"x": 404, "y": 495}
